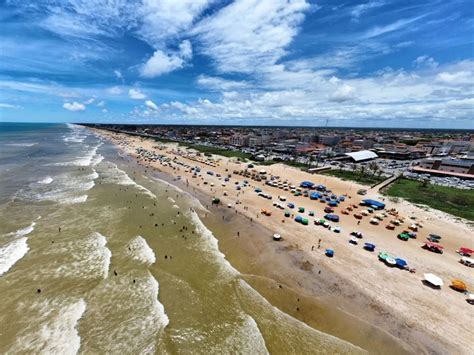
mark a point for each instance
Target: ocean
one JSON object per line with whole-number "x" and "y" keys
{"x": 99, "y": 256}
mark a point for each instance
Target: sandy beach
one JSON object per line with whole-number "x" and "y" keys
{"x": 352, "y": 295}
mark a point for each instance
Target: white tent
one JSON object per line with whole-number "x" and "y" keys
{"x": 434, "y": 280}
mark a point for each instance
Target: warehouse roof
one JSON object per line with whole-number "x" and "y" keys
{"x": 362, "y": 155}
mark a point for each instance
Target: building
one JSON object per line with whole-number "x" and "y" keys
{"x": 460, "y": 166}
{"x": 329, "y": 140}
{"x": 363, "y": 155}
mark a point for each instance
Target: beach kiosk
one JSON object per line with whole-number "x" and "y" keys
{"x": 376, "y": 205}
{"x": 433, "y": 280}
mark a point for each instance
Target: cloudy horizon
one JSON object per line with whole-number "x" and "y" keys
{"x": 245, "y": 62}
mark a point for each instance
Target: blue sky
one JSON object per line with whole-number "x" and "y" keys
{"x": 290, "y": 62}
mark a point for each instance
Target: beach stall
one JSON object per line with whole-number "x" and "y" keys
{"x": 369, "y": 246}
{"x": 332, "y": 217}
{"x": 433, "y": 280}
{"x": 469, "y": 262}
{"x": 307, "y": 185}
{"x": 465, "y": 251}
{"x": 376, "y": 205}
{"x": 374, "y": 221}
{"x": 403, "y": 236}
{"x": 433, "y": 247}
{"x": 400, "y": 263}
{"x": 458, "y": 285}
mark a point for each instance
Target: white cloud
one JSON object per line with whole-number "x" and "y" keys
{"x": 89, "y": 101}
{"x": 151, "y": 105}
{"x": 101, "y": 104}
{"x": 250, "y": 34}
{"x": 161, "y": 63}
{"x": 115, "y": 90}
{"x": 216, "y": 83}
{"x": 360, "y": 9}
{"x": 118, "y": 74}
{"x": 104, "y": 110}
{"x": 343, "y": 93}
{"x": 74, "y": 106}
{"x": 425, "y": 61}
{"x": 136, "y": 94}
{"x": 4, "y": 105}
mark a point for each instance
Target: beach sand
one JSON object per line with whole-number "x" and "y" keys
{"x": 353, "y": 295}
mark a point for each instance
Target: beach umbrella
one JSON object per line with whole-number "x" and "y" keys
{"x": 369, "y": 246}
{"x": 330, "y": 253}
{"x": 433, "y": 279}
{"x": 458, "y": 285}
{"x": 401, "y": 263}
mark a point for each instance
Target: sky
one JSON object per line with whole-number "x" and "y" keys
{"x": 381, "y": 63}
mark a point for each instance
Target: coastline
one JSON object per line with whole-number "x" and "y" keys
{"x": 304, "y": 283}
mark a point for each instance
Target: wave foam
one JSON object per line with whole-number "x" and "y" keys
{"x": 55, "y": 332}
{"x": 11, "y": 253}
{"x": 89, "y": 258}
{"x": 139, "y": 250}
{"x": 46, "y": 180}
{"x": 21, "y": 144}
{"x": 212, "y": 244}
{"x": 115, "y": 175}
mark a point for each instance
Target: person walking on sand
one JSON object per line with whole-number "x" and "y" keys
{"x": 319, "y": 244}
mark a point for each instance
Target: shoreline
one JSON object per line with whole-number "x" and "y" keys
{"x": 341, "y": 308}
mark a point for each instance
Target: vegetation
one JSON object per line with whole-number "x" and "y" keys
{"x": 457, "y": 202}
{"x": 220, "y": 151}
{"x": 361, "y": 176}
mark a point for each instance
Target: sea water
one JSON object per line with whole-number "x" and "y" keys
{"x": 97, "y": 257}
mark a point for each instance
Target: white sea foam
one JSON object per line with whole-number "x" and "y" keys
{"x": 75, "y": 139}
{"x": 21, "y": 144}
{"x": 115, "y": 175}
{"x": 83, "y": 160}
{"x": 11, "y": 253}
{"x": 55, "y": 329}
{"x": 68, "y": 188}
{"x": 46, "y": 180}
{"x": 139, "y": 331}
{"x": 212, "y": 245}
{"x": 171, "y": 200}
{"x": 23, "y": 231}
{"x": 139, "y": 250}
{"x": 89, "y": 258}
{"x": 176, "y": 207}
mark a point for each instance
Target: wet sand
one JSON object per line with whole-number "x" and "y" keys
{"x": 353, "y": 297}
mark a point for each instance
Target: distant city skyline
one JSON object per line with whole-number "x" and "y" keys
{"x": 367, "y": 64}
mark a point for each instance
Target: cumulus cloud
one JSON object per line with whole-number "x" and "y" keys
{"x": 151, "y": 105}
{"x": 250, "y": 34}
{"x": 343, "y": 93}
{"x": 136, "y": 94}
{"x": 161, "y": 63}
{"x": 115, "y": 90}
{"x": 74, "y": 106}
{"x": 89, "y": 101}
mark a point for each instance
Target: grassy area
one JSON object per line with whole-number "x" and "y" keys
{"x": 286, "y": 162}
{"x": 457, "y": 202}
{"x": 364, "y": 179}
{"x": 219, "y": 151}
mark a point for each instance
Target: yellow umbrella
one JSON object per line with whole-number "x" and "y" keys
{"x": 458, "y": 285}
